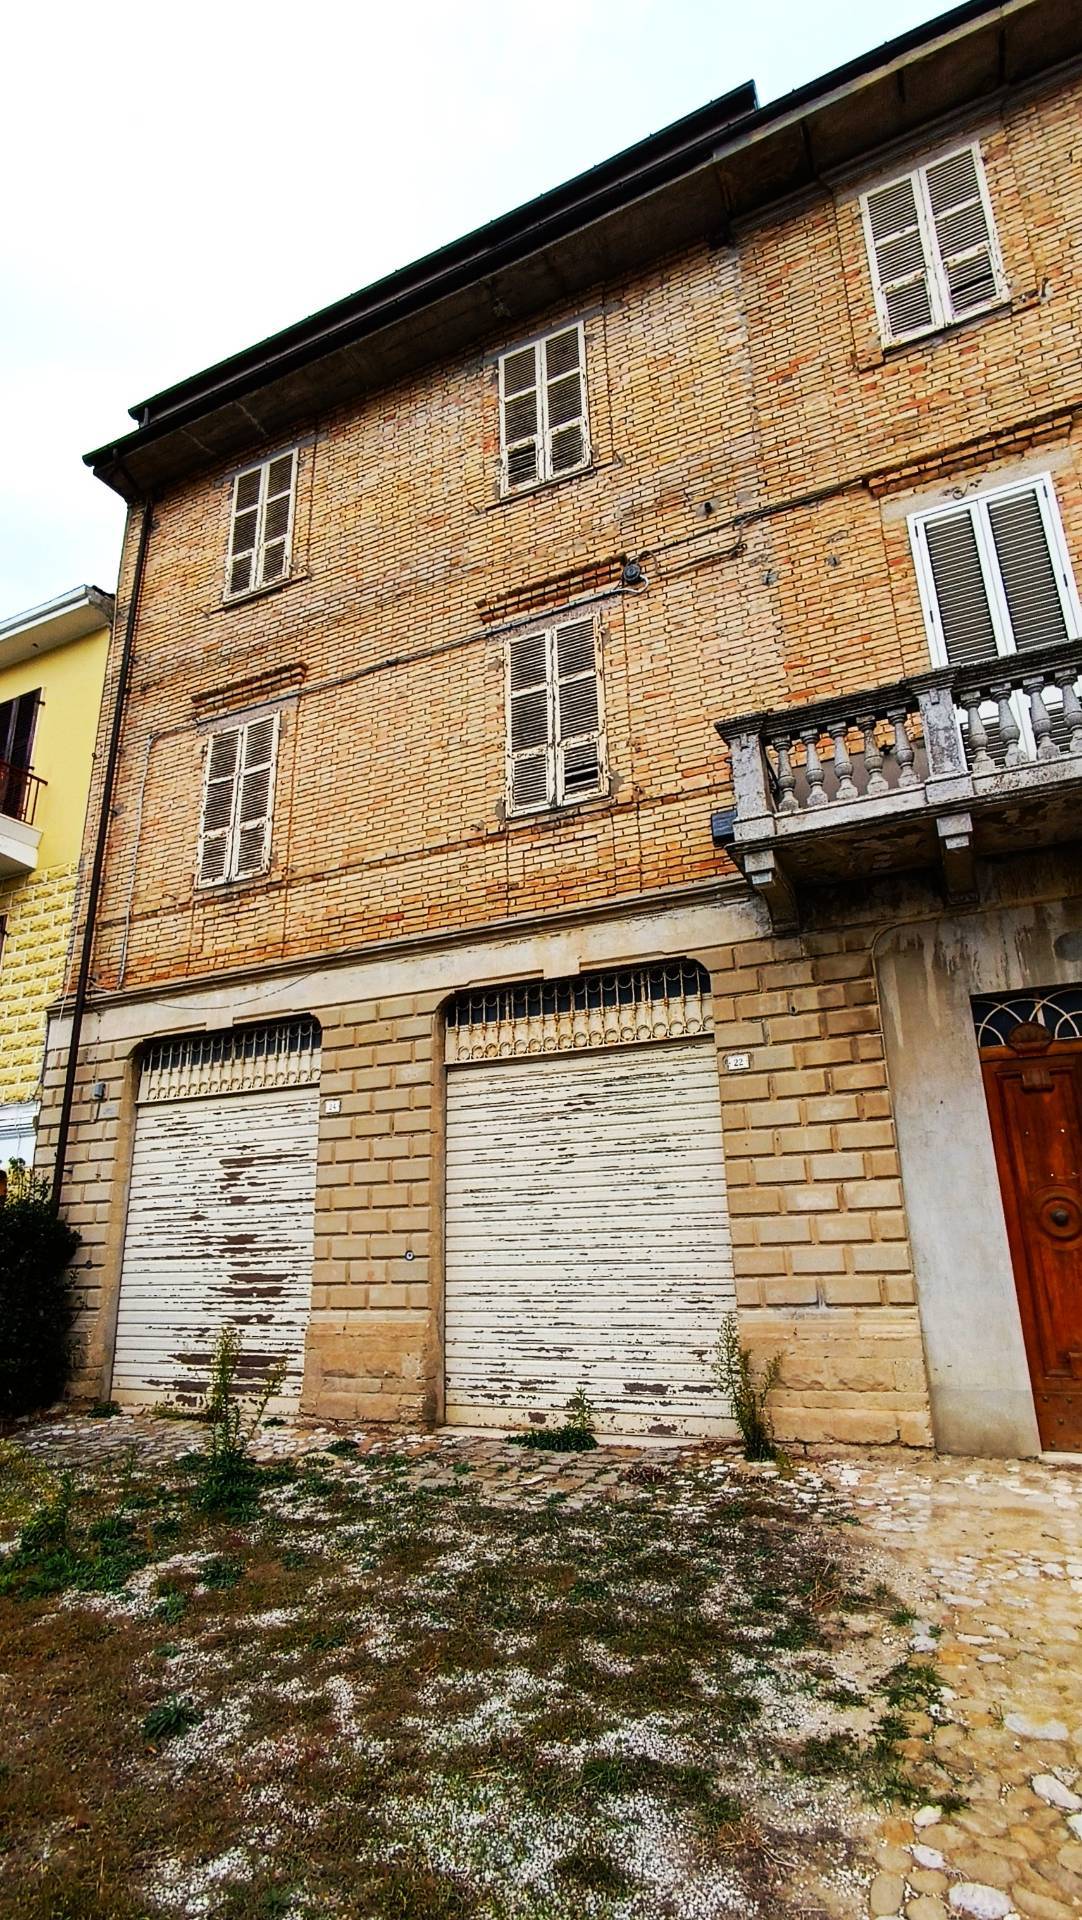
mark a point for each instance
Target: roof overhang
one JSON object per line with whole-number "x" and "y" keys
{"x": 692, "y": 180}
{"x": 71, "y": 616}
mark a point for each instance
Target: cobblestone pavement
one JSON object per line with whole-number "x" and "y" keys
{"x": 987, "y": 1554}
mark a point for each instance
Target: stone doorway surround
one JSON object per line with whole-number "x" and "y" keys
{"x": 929, "y": 972}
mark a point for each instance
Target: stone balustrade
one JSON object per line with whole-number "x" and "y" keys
{"x": 889, "y": 777}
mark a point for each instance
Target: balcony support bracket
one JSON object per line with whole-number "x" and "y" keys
{"x": 764, "y": 872}
{"x": 955, "y": 832}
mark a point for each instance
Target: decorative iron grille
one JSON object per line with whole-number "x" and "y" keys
{"x": 636, "y": 1004}
{"x": 281, "y": 1053}
{"x": 1059, "y": 1009}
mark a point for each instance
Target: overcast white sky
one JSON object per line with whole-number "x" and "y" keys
{"x": 181, "y": 180}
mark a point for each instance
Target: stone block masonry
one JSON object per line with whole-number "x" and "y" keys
{"x": 373, "y": 1346}
{"x": 37, "y": 909}
{"x": 821, "y": 1258}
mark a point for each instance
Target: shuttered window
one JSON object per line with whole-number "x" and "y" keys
{"x": 994, "y": 575}
{"x": 932, "y": 246}
{"x": 555, "y": 724}
{"x": 238, "y": 800}
{"x": 262, "y": 525}
{"x": 543, "y": 426}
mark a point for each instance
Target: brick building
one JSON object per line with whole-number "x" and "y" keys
{"x": 464, "y": 1017}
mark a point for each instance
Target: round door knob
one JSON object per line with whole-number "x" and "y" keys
{"x": 1059, "y": 1216}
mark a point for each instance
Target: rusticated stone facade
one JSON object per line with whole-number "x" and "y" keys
{"x": 36, "y": 911}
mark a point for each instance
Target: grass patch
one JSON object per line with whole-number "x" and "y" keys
{"x": 62, "y": 1547}
{"x": 220, "y": 1572}
{"x": 418, "y": 1690}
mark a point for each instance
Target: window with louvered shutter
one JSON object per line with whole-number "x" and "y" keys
{"x": 994, "y": 574}
{"x": 555, "y": 723}
{"x": 262, "y": 525}
{"x": 995, "y": 578}
{"x": 543, "y": 425}
{"x": 932, "y": 246}
{"x": 238, "y": 800}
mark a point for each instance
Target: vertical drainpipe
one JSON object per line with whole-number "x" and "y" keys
{"x": 82, "y": 984}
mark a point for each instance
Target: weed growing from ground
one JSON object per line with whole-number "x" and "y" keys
{"x": 220, "y": 1573}
{"x": 747, "y": 1395}
{"x": 60, "y": 1548}
{"x": 169, "y": 1719}
{"x": 575, "y": 1435}
{"x": 229, "y": 1479}
{"x": 25, "y": 1484}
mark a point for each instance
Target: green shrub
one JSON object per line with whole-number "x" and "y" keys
{"x": 36, "y": 1299}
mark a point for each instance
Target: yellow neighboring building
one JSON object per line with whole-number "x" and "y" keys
{"x": 52, "y": 670}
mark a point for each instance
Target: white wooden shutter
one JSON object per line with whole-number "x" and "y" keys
{"x": 932, "y": 246}
{"x": 994, "y": 575}
{"x": 262, "y": 527}
{"x": 555, "y": 722}
{"x": 520, "y": 418}
{"x": 532, "y": 760}
{"x": 238, "y": 801}
{"x": 566, "y": 441}
{"x": 255, "y": 796}
{"x": 219, "y": 797}
{"x": 899, "y": 260}
{"x": 245, "y": 534}
{"x": 963, "y": 232}
{"x": 1035, "y": 604}
{"x": 961, "y": 600}
{"x": 577, "y": 710}
{"x": 543, "y": 427}
{"x": 277, "y": 518}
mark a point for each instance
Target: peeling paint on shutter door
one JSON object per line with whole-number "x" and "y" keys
{"x": 587, "y": 1238}
{"x": 220, "y": 1228}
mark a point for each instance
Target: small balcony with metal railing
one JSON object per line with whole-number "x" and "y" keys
{"x": 20, "y": 836}
{"x": 936, "y": 770}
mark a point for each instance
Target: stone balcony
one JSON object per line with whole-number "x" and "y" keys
{"x": 934, "y": 771}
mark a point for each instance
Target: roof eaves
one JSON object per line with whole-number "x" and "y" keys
{"x": 710, "y": 135}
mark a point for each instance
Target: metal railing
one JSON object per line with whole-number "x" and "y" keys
{"x": 19, "y": 790}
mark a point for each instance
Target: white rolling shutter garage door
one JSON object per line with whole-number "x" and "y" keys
{"x": 220, "y": 1225}
{"x": 587, "y": 1238}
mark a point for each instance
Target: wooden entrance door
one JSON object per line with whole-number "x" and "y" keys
{"x": 1035, "y": 1103}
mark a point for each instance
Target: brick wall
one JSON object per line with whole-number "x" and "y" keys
{"x": 748, "y": 379}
